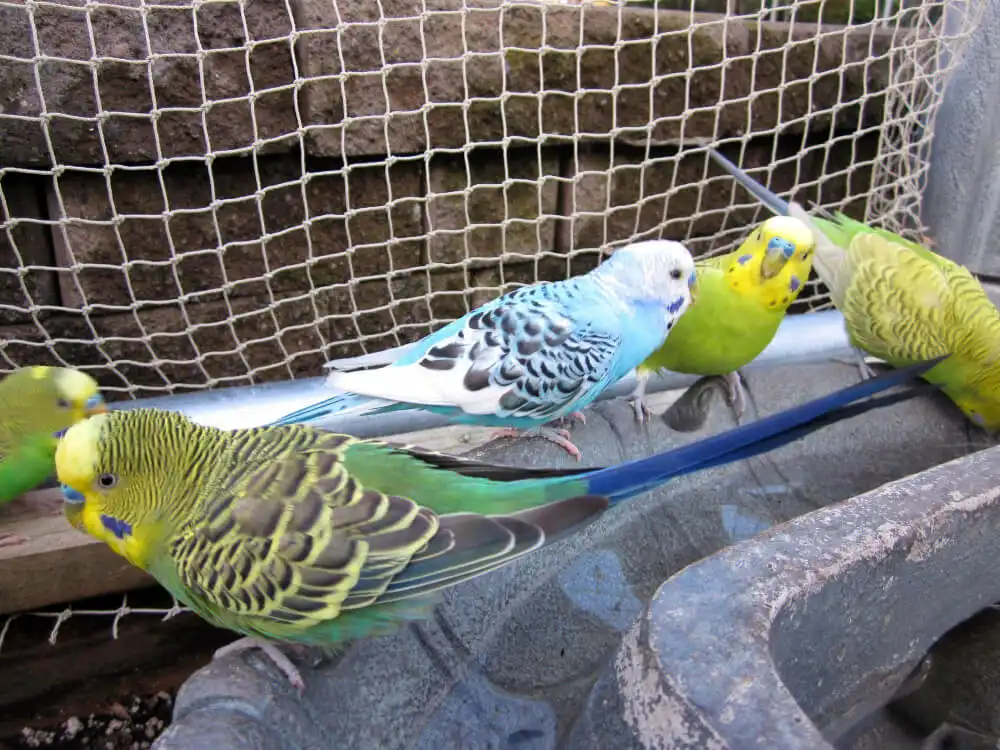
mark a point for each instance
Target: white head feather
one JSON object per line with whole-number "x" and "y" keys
{"x": 659, "y": 271}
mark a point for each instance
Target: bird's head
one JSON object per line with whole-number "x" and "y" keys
{"x": 74, "y": 394}
{"x": 774, "y": 262}
{"x": 116, "y": 479}
{"x": 783, "y": 240}
{"x": 654, "y": 271}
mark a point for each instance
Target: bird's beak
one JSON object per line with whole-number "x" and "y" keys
{"x": 779, "y": 252}
{"x": 74, "y": 514}
{"x": 95, "y": 405}
{"x": 73, "y": 506}
{"x": 693, "y": 286}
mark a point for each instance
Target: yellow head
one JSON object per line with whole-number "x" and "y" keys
{"x": 48, "y": 399}
{"x": 77, "y": 394}
{"x": 773, "y": 263}
{"x": 124, "y": 476}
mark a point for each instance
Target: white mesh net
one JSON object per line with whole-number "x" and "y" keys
{"x": 197, "y": 193}
{"x": 212, "y": 193}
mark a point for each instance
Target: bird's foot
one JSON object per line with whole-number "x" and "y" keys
{"x": 12, "y": 540}
{"x": 561, "y": 438}
{"x": 555, "y": 435}
{"x": 281, "y": 661}
{"x": 573, "y": 416}
{"x": 735, "y": 393}
{"x": 638, "y": 398}
{"x": 642, "y": 411}
{"x": 860, "y": 361}
{"x": 864, "y": 368}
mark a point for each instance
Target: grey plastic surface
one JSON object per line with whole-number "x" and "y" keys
{"x": 787, "y": 641}
{"x": 509, "y": 659}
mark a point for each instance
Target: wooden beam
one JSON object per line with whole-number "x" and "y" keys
{"x": 55, "y": 564}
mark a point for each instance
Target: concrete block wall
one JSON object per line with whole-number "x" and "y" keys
{"x": 201, "y": 195}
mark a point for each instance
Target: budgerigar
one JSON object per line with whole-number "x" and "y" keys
{"x": 534, "y": 355}
{"x": 298, "y": 535}
{"x": 904, "y": 303}
{"x": 36, "y": 403}
{"x": 742, "y": 299}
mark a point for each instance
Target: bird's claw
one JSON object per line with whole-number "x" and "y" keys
{"x": 642, "y": 411}
{"x": 282, "y": 662}
{"x": 735, "y": 394}
{"x": 556, "y": 435}
{"x": 864, "y": 369}
{"x": 638, "y": 398}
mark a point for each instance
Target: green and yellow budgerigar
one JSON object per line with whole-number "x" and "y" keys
{"x": 903, "y": 303}
{"x": 742, "y": 298}
{"x": 36, "y": 403}
{"x": 297, "y": 535}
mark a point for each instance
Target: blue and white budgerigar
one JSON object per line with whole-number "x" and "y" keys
{"x": 536, "y": 354}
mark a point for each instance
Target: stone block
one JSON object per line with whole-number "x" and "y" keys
{"x": 511, "y": 273}
{"x": 541, "y": 71}
{"x": 386, "y": 312}
{"x": 148, "y": 351}
{"x": 277, "y": 231}
{"x": 210, "y": 77}
{"x": 490, "y": 203}
{"x": 27, "y": 265}
{"x": 633, "y": 195}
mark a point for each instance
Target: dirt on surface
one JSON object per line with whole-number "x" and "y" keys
{"x": 131, "y": 725}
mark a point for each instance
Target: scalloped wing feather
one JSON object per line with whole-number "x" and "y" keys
{"x": 536, "y": 353}
{"x": 289, "y": 545}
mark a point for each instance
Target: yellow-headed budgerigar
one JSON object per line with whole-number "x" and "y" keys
{"x": 303, "y": 536}
{"x": 36, "y": 404}
{"x": 534, "y": 355}
{"x": 904, "y": 303}
{"x": 742, "y": 299}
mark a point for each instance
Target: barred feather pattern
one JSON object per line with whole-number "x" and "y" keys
{"x": 267, "y": 532}
{"x": 904, "y": 308}
{"x": 287, "y": 544}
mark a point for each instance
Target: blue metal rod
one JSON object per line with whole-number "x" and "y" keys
{"x": 801, "y": 339}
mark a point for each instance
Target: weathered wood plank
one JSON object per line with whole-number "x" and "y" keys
{"x": 56, "y": 563}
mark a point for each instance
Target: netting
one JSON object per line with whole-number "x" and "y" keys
{"x": 200, "y": 193}
{"x": 209, "y": 193}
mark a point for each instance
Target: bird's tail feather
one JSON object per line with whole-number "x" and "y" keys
{"x": 631, "y": 478}
{"x": 341, "y": 404}
{"x": 777, "y": 205}
{"x": 375, "y": 359}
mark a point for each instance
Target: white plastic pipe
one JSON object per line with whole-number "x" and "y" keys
{"x": 801, "y": 339}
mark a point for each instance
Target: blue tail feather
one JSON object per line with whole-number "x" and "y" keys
{"x": 765, "y": 196}
{"x": 631, "y": 478}
{"x": 328, "y": 406}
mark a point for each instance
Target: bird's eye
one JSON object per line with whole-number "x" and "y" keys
{"x": 62, "y": 403}
{"x": 676, "y": 274}
{"x": 107, "y": 481}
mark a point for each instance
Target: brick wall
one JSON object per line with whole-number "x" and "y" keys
{"x": 175, "y": 133}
